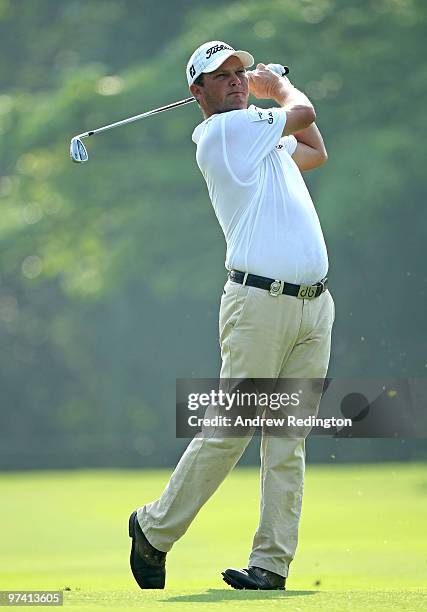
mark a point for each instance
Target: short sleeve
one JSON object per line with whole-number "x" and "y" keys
{"x": 249, "y": 135}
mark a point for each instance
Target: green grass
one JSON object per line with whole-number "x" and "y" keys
{"x": 363, "y": 540}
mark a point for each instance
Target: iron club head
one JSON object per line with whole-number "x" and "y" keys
{"x": 78, "y": 151}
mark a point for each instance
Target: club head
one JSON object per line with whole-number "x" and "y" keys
{"x": 78, "y": 151}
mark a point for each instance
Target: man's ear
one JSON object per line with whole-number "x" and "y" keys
{"x": 196, "y": 91}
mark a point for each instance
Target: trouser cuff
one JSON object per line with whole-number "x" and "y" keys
{"x": 280, "y": 568}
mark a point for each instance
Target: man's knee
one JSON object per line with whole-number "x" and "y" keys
{"x": 229, "y": 445}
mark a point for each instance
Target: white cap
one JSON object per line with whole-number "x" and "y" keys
{"x": 210, "y": 56}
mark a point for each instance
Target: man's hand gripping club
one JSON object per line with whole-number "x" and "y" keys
{"x": 266, "y": 84}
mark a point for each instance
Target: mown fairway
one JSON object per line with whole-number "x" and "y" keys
{"x": 363, "y": 540}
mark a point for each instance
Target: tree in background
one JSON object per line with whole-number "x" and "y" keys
{"x": 111, "y": 272}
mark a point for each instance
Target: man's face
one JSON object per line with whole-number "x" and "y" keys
{"x": 223, "y": 90}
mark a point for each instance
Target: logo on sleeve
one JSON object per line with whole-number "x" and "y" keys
{"x": 260, "y": 114}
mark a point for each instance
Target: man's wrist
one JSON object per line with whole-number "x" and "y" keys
{"x": 294, "y": 97}
{"x": 283, "y": 93}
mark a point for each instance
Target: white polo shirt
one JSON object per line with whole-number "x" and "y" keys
{"x": 259, "y": 196}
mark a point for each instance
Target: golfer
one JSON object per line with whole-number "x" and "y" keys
{"x": 276, "y": 314}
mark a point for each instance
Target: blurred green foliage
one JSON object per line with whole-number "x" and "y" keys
{"x": 111, "y": 272}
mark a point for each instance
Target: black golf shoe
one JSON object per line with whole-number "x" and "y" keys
{"x": 146, "y": 562}
{"x": 254, "y": 578}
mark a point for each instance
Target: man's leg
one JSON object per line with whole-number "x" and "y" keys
{"x": 283, "y": 458}
{"x": 248, "y": 325}
{"x": 201, "y": 469}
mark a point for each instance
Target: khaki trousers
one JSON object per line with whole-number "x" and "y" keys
{"x": 261, "y": 336}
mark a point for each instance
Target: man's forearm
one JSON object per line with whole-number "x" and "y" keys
{"x": 299, "y": 110}
{"x": 290, "y": 97}
{"x": 312, "y": 137}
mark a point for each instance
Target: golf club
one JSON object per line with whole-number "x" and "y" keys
{"x": 78, "y": 152}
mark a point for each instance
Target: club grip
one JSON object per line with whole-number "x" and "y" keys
{"x": 279, "y": 69}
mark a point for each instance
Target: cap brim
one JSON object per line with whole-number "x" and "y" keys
{"x": 245, "y": 57}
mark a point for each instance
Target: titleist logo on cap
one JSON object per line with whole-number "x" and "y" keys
{"x": 215, "y": 49}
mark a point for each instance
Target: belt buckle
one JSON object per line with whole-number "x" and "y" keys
{"x": 307, "y": 292}
{"x": 276, "y": 288}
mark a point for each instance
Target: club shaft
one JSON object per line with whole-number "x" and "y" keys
{"x": 111, "y": 126}
{"x": 137, "y": 117}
